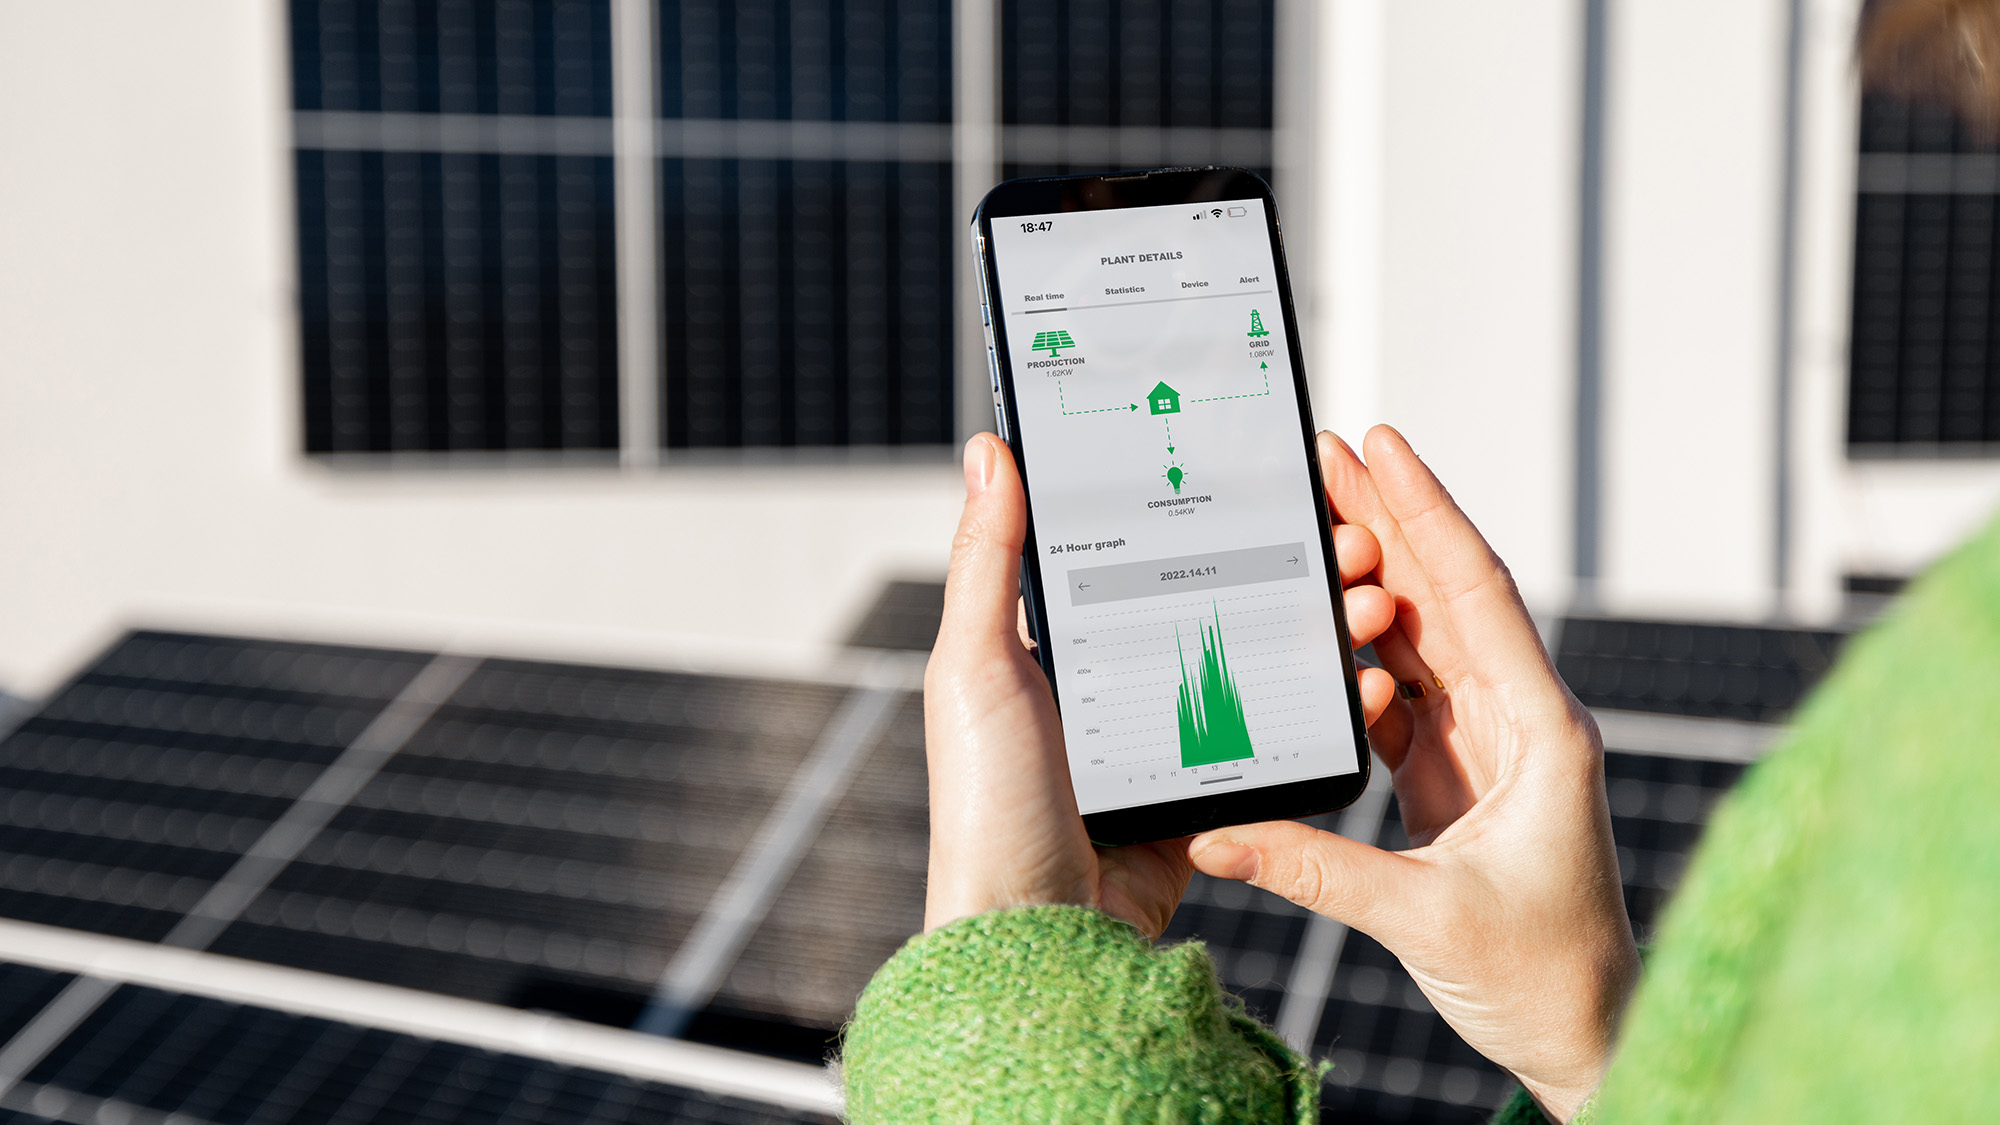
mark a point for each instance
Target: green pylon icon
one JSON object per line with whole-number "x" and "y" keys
{"x": 1257, "y": 324}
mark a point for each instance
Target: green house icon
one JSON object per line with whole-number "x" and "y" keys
{"x": 1163, "y": 399}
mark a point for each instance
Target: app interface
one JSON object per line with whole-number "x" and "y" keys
{"x": 1189, "y": 613}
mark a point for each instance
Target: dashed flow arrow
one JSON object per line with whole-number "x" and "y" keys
{"x": 1264, "y": 367}
{"x": 1063, "y": 402}
{"x": 1170, "y": 433}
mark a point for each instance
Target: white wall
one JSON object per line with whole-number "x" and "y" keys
{"x": 1852, "y": 517}
{"x": 1900, "y": 516}
{"x": 149, "y": 471}
{"x": 1445, "y": 191}
{"x": 1445, "y": 195}
{"x": 1693, "y": 194}
{"x": 1479, "y": 265}
{"x": 1694, "y": 207}
{"x": 1823, "y": 265}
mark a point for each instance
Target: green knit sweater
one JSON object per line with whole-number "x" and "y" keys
{"x": 1060, "y": 1014}
{"x": 1833, "y": 956}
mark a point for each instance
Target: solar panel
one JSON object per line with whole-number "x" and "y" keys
{"x": 1395, "y": 1058}
{"x": 854, "y": 900}
{"x": 454, "y": 300}
{"x": 538, "y": 57}
{"x": 807, "y": 302}
{"x": 905, "y": 616}
{"x": 1922, "y": 369}
{"x": 1092, "y": 87}
{"x": 137, "y": 785}
{"x": 24, "y": 990}
{"x": 539, "y": 835}
{"x": 14, "y": 710}
{"x": 1204, "y": 64}
{"x": 547, "y": 841}
{"x": 1752, "y": 672}
{"x": 547, "y": 837}
{"x": 149, "y": 1055}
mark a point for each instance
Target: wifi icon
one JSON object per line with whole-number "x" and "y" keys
{"x": 1217, "y": 212}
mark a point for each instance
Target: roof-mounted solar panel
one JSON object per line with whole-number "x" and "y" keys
{"x": 140, "y": 783}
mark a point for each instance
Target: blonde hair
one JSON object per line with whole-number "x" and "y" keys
{"x": 1940, "y": 52}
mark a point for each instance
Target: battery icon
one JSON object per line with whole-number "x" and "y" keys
{"x": 1238, "y": 212}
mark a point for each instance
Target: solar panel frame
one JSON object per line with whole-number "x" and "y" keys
{"x": 210, "y": 1061}
{"x": 853, "y": 901}
{"x": 138, "y": 784}
{"x": 642, "y": 782}
{"x": 593, "y": 735}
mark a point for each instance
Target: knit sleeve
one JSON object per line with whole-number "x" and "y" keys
{"x": 1522, "y": 1109}
{"x": 1060, "y": 1013}
{"x": 1829, "y": 955}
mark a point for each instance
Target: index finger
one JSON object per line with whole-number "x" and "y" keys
{"x": 1464, "y": 582}
{"x": 1432, "y": 563}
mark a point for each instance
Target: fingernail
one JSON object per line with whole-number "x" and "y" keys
{"x": 978, "y": 465}
{"x": 1225, "y": 860}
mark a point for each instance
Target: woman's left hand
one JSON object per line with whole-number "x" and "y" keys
{"x": 1004, "y": 824}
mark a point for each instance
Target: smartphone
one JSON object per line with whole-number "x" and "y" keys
{"x": 1179, "y": 576}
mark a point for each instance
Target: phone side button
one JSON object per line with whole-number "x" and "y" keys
{"x": 985, "y": 315}
{"x": 999, "y": 410}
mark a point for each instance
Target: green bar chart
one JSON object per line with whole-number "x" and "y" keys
{"x": 1212, "y": 726}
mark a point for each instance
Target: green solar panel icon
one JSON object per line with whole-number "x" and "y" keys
{"x": 1055, "y": 342}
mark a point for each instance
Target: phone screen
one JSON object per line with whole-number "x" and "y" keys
{"x": 1190, "y": 619}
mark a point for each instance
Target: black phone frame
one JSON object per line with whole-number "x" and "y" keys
{"x": 1153, "y": 188}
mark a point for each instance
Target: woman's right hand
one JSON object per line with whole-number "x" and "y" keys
{"x": 1508, "y": 911}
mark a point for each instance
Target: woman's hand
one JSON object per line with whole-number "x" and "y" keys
{"x": 1004, "y": 824}
{"x": 1508, "y": 911}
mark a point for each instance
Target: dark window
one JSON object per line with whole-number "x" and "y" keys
{"x": 809, "y": 301}
{"x": 453, "y": 300}
{"x": 1096, "y": 85}
{"x": 457, "y": 301}
{"x": 458, "y": 244}
{"x": 1924, "y": 374}
{"x": 806, "y": 60}
{"x": 1200, "y": 64}
{"x": 546, "y": 57}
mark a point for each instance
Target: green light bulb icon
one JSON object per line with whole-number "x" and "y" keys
{"x": 1174, "y": 477}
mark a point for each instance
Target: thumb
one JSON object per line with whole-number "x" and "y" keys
{"x": 983, "y": 585}
{"x": 1346, "y": 880}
